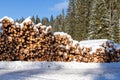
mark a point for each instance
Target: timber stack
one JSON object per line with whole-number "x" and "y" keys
{"x": 30, "y": 42}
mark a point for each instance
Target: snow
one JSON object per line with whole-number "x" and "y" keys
{"x": 43, "y": 26}
{"x": 17, "y": 23}
{"x": 67, "y": 47}
{"x": 39, "y": 24}
{"x": 90, "y": 43}
{"x": 45, "y": 29}
{"x": 6, "y": 17}
{"x": 95, "y": 48}
{"x": 11, "y": 20}
{"x": 36, "y": 29}
{"x": 98, "y": 44}
{"x": 21, "y": 70}
{"x": 63, "y": 34}
{"x": 28, "y": 19}
{"x": 74, "y": 42}
{"x": 48, "y": 28}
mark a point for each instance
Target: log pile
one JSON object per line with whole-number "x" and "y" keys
{"x": 30, "y": 42}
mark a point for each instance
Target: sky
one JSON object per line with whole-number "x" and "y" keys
{"x": 24, "y": 8}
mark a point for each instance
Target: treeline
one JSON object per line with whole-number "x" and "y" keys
{"x": 94, "y": 19}
{"x": 87, "y": 19}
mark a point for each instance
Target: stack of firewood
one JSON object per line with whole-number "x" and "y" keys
{"x": 104, "y": 52}
{"x": 29, "y": 42}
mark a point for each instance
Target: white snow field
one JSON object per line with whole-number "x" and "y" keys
{"x": 18, "y": 70}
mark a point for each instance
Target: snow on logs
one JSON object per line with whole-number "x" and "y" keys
{"x": 30, "y": 42}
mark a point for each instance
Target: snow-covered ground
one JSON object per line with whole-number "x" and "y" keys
{"x": 18, "y": 70}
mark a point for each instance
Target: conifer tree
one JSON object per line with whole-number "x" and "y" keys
{"x": 45, "y": 21}
{"x": 81, "y": 19}
{"x": 58, "y": 23}
{"x": 33, "y": 19}
{"x": 115, "y": 19}
{"x": 99, "y": 21}
{"x": 63, "y": 21}
{"x": 70, "y": 18}
{"x": 51, "y": 20}
{"x": 37, "y": 20}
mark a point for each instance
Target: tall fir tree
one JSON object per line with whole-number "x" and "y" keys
{"x": 58, "y": 23}
{"x": 63, "y": 21}
{"x": 115, "y": 20}
{"x": 113, "y": 7}
{"x": 37, "y": 20}
{"x": 45, "y": 21}
{"x": 70, "y": 18}
{"x": 99, "y": 23}
{"x": 118, "y": 5}
{"x": 51, "y": 20}
{"x": 33, "y": 19}
{"x": 91, "y": 19}
{"x": 81, "y": 19}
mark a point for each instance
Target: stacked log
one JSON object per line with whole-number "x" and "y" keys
{"x": 104, "y": 52}
{"x": 29, "y": 42}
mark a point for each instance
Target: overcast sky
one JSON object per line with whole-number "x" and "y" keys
{"x": 24, "y": 8}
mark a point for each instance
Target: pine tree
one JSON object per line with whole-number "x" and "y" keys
{"x": 118, "y": 5}
{"x": 17, "y": 20}
{"x": 21, "y": 20}
{"x": 115, "y": 20}
{"x": 92, "y": 19}
{"x": 116, "y": 29}
{"x": 37, "y": 20}
{"x": 58, "y": 23}
{"x": 99, "y": 23}
{"x": 33, "y": 19}
{"x": 45, "y": 21}
{"x": 70, "y": 18}
{"x": 63, "y": 21}
{"x": 81, "y": 19}
{"x": 51, "y": 20}
{"x": 113, "y": 7}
